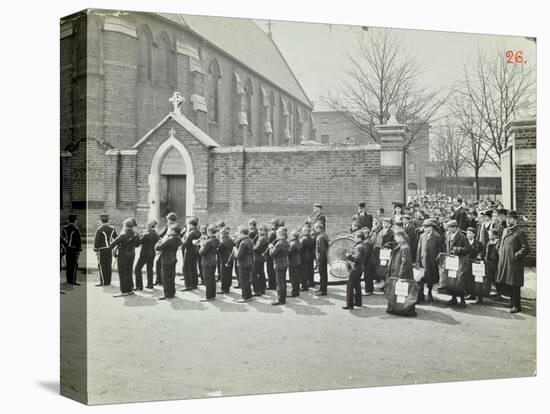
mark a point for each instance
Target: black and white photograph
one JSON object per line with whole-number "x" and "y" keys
{"x": 279, "y": 207}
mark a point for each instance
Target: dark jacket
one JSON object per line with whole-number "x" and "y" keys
{"x": 458, "y": 246}
{"x": 357, "y": 258}
{"x": 412, "y": 235}
{"x": 259, "y": 248}
{"x": 279, "y": 252}
{"x": 490, "y": 256}
{"x": 476, "y": 250}
{"x": 461, "y": 218}
{"x": 225, "y": 249}
{"x": 512, "y": 250}
{"x": 189, "y": 250}
{"x": 147, "y": 241}
{"x": 321, "y": 247}
{"x": 364, "y": 220}
{"x": 208, "y": 252}
{"x": 168, "y": 247}
{"x": 70, "y": 238}
{"x": 104, "y": 236}
{"x": 127, "y": 243}
{"x": 401, "y": 262}
{"x": 307, "y": 253}
{"x": 244, "y": 254}
{"x": 429, "y": 248}
{"x": 294, "y": 259}
{"x": 369, "y": 257}
{"x": 384, "y": 240}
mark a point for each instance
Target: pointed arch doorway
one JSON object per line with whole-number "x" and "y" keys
{"x": 171, "y": 181}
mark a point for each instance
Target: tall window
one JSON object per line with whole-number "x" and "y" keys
{"x": 271, "y": 115}
{"x": 248, "y": 92}
{"x": 164, "y": 60}
{"x": 145, "y": 46}
{"x": 214, "y": 91}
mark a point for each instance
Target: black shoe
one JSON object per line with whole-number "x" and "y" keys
{"x": 139, "y": 290}
{"x": 515, "y": 310}
{"x": 275, "y": 303}
{"x": 237, "y": 287}
{"x": 186, "y": 289}
{"x": 347, "y": 307}
{"x": 75, "y": 283}
{"x": 158, "y": 283}
{"x": 163, "y": 298}
{"x": 462, "y": 304}
{"x": 257, "y": 294}
{"x": 99, "y": 284}
{"x": 149, "y": 287}
{"x": 243, "y": 300}
{"x": 368, "y": 293}
{"x": 221, "y": 292}
{"x": 470, "y": 297}
{"x": 320, "y": 293}
{"x": 207, "y": 299}
{"x": 452, "y": 302}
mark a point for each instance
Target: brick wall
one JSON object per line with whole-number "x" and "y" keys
{"x": 523, "y": 135}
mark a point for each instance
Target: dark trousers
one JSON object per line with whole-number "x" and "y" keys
{"x": 515, "y": 296}
{"x": 257, "y": 277}
{"x": 148, "y": 262}
{"x": 306, "y": 275}
{"x": 210, "y": 281}
{"x": 353, "y": 290}
{"x": 271, "y": 279}
{"x": 158, "y": 270}
{"x": 168, "y": 273}
{"x": 190, "y": 275}
{"x": 323, "y": 276}
{"x": 294, "y": 273}
{"x": 105, "y": 266}
{"x": 280, "y": 275}
{"x": 244, "y": 279}
{"x": 226, "y": 276}
{"x": 369, "y": 275}
{"x": 71, "y": 265}
{"x": 125, "y": 265}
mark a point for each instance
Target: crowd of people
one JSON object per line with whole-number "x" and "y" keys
{"x": 412, "y": 238}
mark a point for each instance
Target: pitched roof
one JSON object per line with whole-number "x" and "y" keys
{"x": 186, "y": 124}
{"x": 246, "y": 42}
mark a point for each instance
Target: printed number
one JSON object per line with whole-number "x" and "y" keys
{"x": 516, "y": 57}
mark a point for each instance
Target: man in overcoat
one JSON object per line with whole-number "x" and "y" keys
{"x": 429, "y": 247}
{"x": 513, "y": 250}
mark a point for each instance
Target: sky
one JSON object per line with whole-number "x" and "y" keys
{"x": 317, "y": 51}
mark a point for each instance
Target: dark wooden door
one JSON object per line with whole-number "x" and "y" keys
{"x": 176, "y": 189}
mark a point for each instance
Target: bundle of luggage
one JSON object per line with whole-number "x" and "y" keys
{"x": 402, "y": 296}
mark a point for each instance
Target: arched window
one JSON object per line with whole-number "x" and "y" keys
{"x": 213, "y": 90}
{"x": 271, "y": 115}
{"x": 145, "y": 49}
{"x": 248, "y": 92}
{"x": 164, "y": 60}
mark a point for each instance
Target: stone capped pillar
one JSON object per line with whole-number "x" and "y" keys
{"x": 393, "y": 184}
{"x": 523, "y": 139}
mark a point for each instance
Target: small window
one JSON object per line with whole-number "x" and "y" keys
{"x": 324, "y": 138}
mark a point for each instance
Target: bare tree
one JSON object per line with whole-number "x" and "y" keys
{"x": 496, "y": 90}
{"x": 382, "y": 73}
{"x": 472, "y": 127}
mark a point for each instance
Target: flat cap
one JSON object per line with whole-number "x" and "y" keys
{"x": 452, "y": 223}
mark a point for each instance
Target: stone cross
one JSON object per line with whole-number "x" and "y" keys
{"x": 177, "y": 99}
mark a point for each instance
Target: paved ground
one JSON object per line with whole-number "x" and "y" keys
{"x": 144, "y": 349}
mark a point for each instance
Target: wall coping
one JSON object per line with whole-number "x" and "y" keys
{"x": 129, "y": 152}
{"x": 298, "y": 148}
{"x": 524, "y": 123}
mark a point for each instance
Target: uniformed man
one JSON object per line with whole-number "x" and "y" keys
{"x": 321, "y": 250}
{"x": 168, "y": 247}
{"x": 104, "y": 236}
{"x": 258, "y": 274}
{"x": 226, "y": 265}
{"x": 514, "y": 248}
{"x": 72, "y": 243}
{"x": 353, "y": 285}
{"x": 294, "y": 263}
{"x": 271, "y": 237}
{"x": 127, "y": 242}
{"x": 171, "y": 221}
{"x": 244, "y": 256}
{"x": 147, "y": 241}
{"x": 279, "y": 252}
{"x": 253, "y": 230}
{"x": 190, "y": 252}
{"x": 208, "y": 251}
{"x": 307, "y": 256}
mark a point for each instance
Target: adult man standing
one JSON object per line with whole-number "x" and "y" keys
{"x": 429, "y": 247}
{"x": 456, "y": 244}
{"x": 168, "y": 247}
{"x": 190, "y": 254}
{"x": 363, "y": 218}
{"x": 208, "y": 252}
{"x": 147, "y": 241}
{"x": 294, "y": 262}
{"x": 271, "y": 237}
{"x": 353, "y": 286}
{"x": 171, "y": 221}
{"x": 104, "y": 236}
{"x": 513, "y": 250}
{"x": 244, "y": 256}
{"x": 307, "y": 257}
{"x": 127, "y": 242}
{"x": 321, "y": 250}
{"x": 258, "y": 273}
{"x": 226, "y": 265}
{"x": 72, "y": 243}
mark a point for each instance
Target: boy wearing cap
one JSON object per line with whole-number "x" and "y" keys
{"x": 244, "y": 256}
{"x": 271, "y": 237}
{"x": 147, "y": 241}
{"x": 513, "y": 250}
{"x": 171, "y": 221}
{"x": 294, "y": 263}
{"x": 457, "y": 244}
{"x": 190, "y": 254}
{"x": 279, "y": 252}
{"x": 307, "y": 257}
{"x": 429, "y": 247}
{"x": 321, "y": 250}
{"x": 476, "y": 252}
{"x": 226, "y": 266}
{"x": 208, "y": 252}
{"x": 72, "y": 243}
{"x": 104, "y": 236}
{"x": 490, "y": 257}
{"x": 127, "y": 242}
{"x": 353, "y": 285}
{"x": 168, "y": 247}
{"x": 258, "y": 273}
